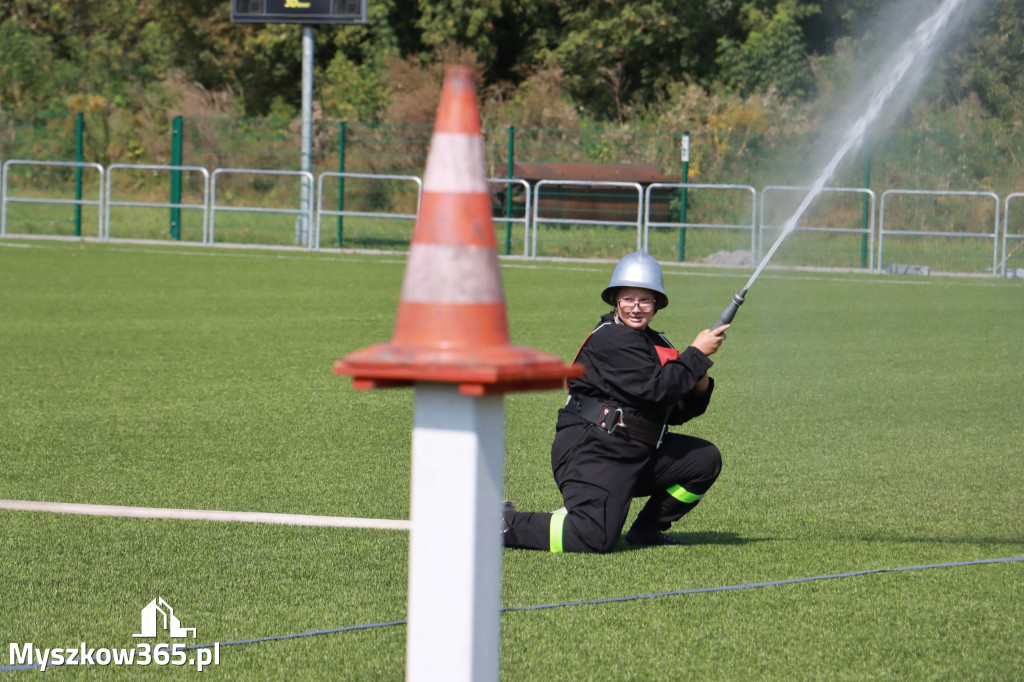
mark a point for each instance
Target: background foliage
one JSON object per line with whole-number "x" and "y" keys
{"x": 719, "y": 66}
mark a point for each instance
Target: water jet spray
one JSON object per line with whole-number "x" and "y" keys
{"x": 921, "y": 44}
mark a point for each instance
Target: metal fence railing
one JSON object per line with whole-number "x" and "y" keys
{"x": 945, "y": 231}
{"x": 33, "y": 192}
{"x": 575, "y": 206}
{"x": 730, "y": 211}
{"x": 369, "y": 188}
{"x": 113, "y": 192}
{"x": 294, "y": 198}
{"x": 1013, "y": 240}
{"x": 505, "y": 211}
{"x": 951, "y": 226}
{"x": 726, "y": 154}
{"x": 830, "y": 219}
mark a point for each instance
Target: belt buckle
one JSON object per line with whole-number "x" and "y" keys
{"x": 603, "y": 421}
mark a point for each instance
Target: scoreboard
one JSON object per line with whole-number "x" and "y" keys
{"x": 298, "y": 11}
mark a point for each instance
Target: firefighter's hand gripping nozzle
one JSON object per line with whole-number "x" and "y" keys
{"x": 730, "y": 310}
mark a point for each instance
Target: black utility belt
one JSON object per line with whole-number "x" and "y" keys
{"x": 614, "y": 420}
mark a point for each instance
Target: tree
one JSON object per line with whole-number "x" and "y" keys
{"x": 616, "y": 55}
{"x": 27, "y": 68}
{"x": 466, "y": 23}
{"x": 353, "y": 86}
{"x": 599, "y": 61}
{"x": 773, "y": 53}
{"x": 112, "y": 49}
{"x": 990, "y": 65}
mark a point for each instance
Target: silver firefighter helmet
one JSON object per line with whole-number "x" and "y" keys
{"x": 637, "y": 269}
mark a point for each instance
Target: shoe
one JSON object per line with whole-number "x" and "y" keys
{"x": 650, "y": 537}
{"x": 506, "y": 507}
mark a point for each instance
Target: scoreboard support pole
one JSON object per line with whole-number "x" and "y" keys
{"x": 309, "y": 13}
{"x": 304, "y": 234}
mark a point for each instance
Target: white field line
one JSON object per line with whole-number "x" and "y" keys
{"x": 204, "y": 515}
{"x": 800, "y": 273}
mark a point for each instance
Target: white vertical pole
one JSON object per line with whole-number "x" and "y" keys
{"x": 304, "y": 232}
{"x": 458, "y": 448}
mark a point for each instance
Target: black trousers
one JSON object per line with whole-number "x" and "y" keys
{"x": 599, "y": 474}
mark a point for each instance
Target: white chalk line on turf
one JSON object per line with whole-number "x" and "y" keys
{"x": 592, "y": 602}
{"x": 154, "y": 246}
{"x": 204, "y": 515}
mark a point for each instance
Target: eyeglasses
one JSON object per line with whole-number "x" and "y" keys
{"x": 646, "y": 305}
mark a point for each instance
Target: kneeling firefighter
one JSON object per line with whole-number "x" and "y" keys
{"x": 611, "y": 442}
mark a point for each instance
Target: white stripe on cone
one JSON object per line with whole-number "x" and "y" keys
{"x": 439, "y": 273}
{"x": 455, "y": 164}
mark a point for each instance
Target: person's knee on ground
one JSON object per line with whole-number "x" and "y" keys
{"x": 670, "y": 503}
{"x": 583, "y": 532}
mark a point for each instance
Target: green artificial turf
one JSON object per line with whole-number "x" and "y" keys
{"x": 866, "y": 422}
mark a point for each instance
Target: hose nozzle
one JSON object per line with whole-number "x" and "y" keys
{"x": 730, "y": 310}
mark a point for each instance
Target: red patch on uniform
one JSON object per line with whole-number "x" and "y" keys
{"x": 666, "y": 354}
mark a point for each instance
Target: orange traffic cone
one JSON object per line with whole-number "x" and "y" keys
{"x": 451, "y": 324}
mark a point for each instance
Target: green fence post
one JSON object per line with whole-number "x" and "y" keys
{"x": 685, "y": 154}
{"x": 865, "y": 209}
{"x": 343, "y": 126}
{"x": 80, "y": 158}
{"x": 510, "y": 172}
{"x": 176, "y": 157}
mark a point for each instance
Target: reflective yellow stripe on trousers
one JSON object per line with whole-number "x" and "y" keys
{"x": 683, "y": 495}
{"x": 557, "y": 523}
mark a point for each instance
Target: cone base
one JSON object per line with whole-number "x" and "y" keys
{"x": 482, "y": 371}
